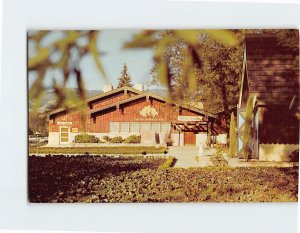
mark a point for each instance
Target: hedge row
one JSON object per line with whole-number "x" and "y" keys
{"x": 168, "y": 163}
{"x": 87, "y": 138}
{"x": 99, "y": 150}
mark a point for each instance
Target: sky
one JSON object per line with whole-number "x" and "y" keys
{"x": 139, "y": 61}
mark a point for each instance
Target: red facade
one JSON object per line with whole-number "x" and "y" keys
{"x": 114, "y": 107}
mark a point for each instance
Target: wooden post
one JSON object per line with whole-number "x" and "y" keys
{"x": 209, "y": 133}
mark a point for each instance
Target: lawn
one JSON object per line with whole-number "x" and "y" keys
{"x": 99, "y": 150}
{"x": 141, "y": 179}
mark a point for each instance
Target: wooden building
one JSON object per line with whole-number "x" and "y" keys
{"x": 271, "y": 75}
{"x": 132, "y": 111}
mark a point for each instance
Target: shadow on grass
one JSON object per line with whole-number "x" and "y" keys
{"x": 54, "y": 175}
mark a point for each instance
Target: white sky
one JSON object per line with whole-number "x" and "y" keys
{"x": 110, "y": 42}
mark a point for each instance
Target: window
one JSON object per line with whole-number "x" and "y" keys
{"x": 124, "y": 127}
{"x": 114, "y": 126}
{"x": 145, "y": 126}
{"x": 165, "y": 127}
{"x": 135, "y": 127}
{"x": 155, "y": 127}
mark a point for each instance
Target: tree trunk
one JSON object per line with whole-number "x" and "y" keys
{"x": 225, "y": 106}
{"x": 209, "y": 134}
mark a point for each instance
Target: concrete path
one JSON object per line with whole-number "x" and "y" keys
{"x": 188, "y": 156}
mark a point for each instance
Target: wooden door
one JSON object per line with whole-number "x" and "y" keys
{"x": 189, "y": 138}
{"x": 64, "y": 134}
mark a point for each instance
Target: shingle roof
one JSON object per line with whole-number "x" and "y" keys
{"x": 138, "y": 96}
{"x": 272, "y": 69}
{"x": 158, "y": 97}
{"x": 99, "y": 96}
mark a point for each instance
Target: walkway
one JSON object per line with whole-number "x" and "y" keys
{"x": 187, "y": 156}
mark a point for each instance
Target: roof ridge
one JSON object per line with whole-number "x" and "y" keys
{"x": 153, "y": 95}
{"x": 140, "y": 95}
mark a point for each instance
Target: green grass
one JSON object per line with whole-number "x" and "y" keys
{"x": 140, "y": 179}
{"x": 98, "y": 150}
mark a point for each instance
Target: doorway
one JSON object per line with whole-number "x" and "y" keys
{"x": 64, "y": 132}
{"x": 189, "y": 138}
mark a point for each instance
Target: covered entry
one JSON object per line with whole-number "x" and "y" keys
{"x": 189, "y": 131}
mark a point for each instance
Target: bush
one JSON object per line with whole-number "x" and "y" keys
{"x": 133, "y": 139}
{"x": 86, "y": 138}
{"x": 218, "y": 160}
{"x": 99, "y": 150}
{"x": 294, "y": 156}
{"x": 106, "y": 138}
{"x": 116, "y": 140}
{"x": 168, "y": 163}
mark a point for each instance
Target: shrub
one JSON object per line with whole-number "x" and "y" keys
{"x": 133, "y": 139}
{"x": 218, "y": 160}
{"x": 294, "y": 156}
{"x": 106, "y": 138}
{"x": 99, "y": 150}
{"x": 86, "y": 138}
{"x": 117, "y": 139}
{"x": 168, "y": 163}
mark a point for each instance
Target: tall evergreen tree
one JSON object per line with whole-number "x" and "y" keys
{"x": 125, "y": 79}
{"x": 233, "y": 137}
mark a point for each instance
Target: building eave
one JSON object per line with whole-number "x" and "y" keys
{"x": 97, "y": 97}
{"x": 157, "y": 97}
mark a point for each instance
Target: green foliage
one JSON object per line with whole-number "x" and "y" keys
{"x": 232, "y": 137}
{"x": 218, "y": 159}
{"x": 125, "y": 79}
{"x": 138, "y": 179}
{"x": 86, "y": 138}
{"x": 117, "y": 139}
{"x": 37, "y": 123}
{"x": 197, "y": 65}
{"x": 99, "y": 150}
{"x": 294, "y": 156}
{"x": 133, "y": 139}
{"x": 247, "y": 127}
{"x": 40, "y": 61}
{"x": 106, "y": 138}
{"x": 168, "y": 163}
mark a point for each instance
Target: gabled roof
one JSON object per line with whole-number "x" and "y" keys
{"x": 154, "y": 96}
{"x": 100, "y": 96}
{"x": 139, "y": 95}
{"x": 272, "y": 69}
{"x": 112, "y": 92}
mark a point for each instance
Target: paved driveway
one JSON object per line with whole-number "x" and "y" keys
{"x": 186, "y": 156}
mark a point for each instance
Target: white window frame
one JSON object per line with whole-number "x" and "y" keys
{"x": 64, "y": 126}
